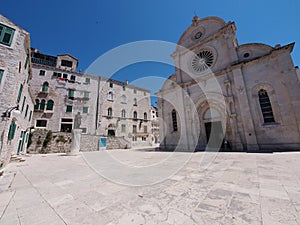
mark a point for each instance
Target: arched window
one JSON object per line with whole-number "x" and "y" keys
{"x": 174, "y": 120}
{"x": 109, "y": 112}
{"x": 123, "y": 113}
{"x": 37, "y": 104}
{"x": 45, "y": 87}
{"x": 265, "y": 106}
{"x": 145, "y": 116}
{"x": 50, "y": 104}
{"x": 123, "y": 99}
{"x": 42, "y": 105}
{"x": 135, "y": 102}
{"x": 134, "y": 115}
{"x": 110, "y": 96}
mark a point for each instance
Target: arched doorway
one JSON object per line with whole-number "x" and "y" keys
{"x": 213, "y": 128}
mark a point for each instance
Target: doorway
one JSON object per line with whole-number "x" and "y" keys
{"x": 214, "y": 134}
{"x": 111, "y": 133}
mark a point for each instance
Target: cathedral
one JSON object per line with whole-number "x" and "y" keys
{"x": 229, "y": 96}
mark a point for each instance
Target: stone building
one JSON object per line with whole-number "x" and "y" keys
{"x": 124, "y": 112}
{"x": 16, "y": 104}
{"x": 239, "y": 97}
{"x": 104, "y": 106}
{"x": 154, "y": 125}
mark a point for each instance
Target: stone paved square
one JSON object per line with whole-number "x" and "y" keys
{"x": 233, "y": 188}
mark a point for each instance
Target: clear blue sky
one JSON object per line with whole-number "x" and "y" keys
{"x": 87, "y": 29}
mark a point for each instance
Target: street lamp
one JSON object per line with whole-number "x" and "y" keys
{"x": 14, "y": 110}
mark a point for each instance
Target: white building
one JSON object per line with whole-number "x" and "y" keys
{"x": 107, "y": 108}
{"x": 15, "y": 73}
{"x": 254, "y": 104}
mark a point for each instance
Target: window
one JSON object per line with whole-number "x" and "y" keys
{"x": 134, "y": 91}
{"x": 87, "y": 80}
{"x": 266, "y": 107}
{"x": 134, "y": 115}
{"x": 1, "y": 75}
{"x": 37, "y": 104}
{"x": 65, "y": 76}
{"x": 66, "y": 63}
{"x": 50, "y": 104}
{"x": 30, "y": 115}
{"x": 123, "y": 128}
{"x": 26, "y": 111}
{"x": 110, "y": 96}
{"x": 12, "y": 130}
{"x": 23, "y": 104}
{"x": 71, "y": 93}
{"x": 145, "y": 93}
{"x": 174, "y": 120}
{"x": 69, "y": 108}
{"x": 20, "y": 66}
{"x": 123, "y": 113}
{"x": 134, "y": 129}
{"x": 134, "y": 138}
{"x": 20, "y": 93}
{"x": 58, "y": 75}
{"x": 28, "y": 77}
{"x": 86, "y": 95}
{"x": 124, "y": 88}
{"x": 42, "y": 105}
{"x": 26, "y": 61}
{"x": 41, "y": 123}
{"x": 73, "y": 78}
{"x": 144, "y": 139}
{"x": 123, "y": 99}
{"x": 85, "y": 109}
{"x": 45, "y": 87}
{"x": 6, "y": 35}
{"x": 134, "y": 102}
{"x": 145, "y": 129}
{"x": 111, "y": 85}
{"x": 66, "y": 125}
{"x": 109, "y": 112}
{"x": 43, "y": 72}
{"x": 145, "y": 116}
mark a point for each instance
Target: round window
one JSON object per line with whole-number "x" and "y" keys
{"x": 202, "y": 61}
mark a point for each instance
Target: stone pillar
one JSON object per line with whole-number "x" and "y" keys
{"x": 75, "y": 146}
{"x": 247, "y": 119}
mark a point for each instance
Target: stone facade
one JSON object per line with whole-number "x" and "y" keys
{"x": 154, "y": 125}
{"x": 124, "y": 111}
{"x": 44, "y": 141}
{"x": 104, "y": 106}
{"x": 239, "y": 97}
{"x": 15, "y": 73}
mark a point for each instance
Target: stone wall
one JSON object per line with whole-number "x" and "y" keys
{"x": 16, "y": 69}
{"x": 57, "y": 142}
{"x": 89, "y": 143}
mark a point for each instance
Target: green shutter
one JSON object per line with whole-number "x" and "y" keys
{"x": 71, "y": 93}
{"x": 30, "y": 114}
{"x": 12, "y": 129}
{"x": 23, "y": 104}
{"x": 1, "y": 75}
{"x": 42, "y": 105}
{"x": 26, "y": 61}
{"x": 50, "y": 104}
{"x": 26, "y": 111}
{"x": 20, "y": 93}
{"x": 6, "y": 35}
{"x": 69, "y": 108}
